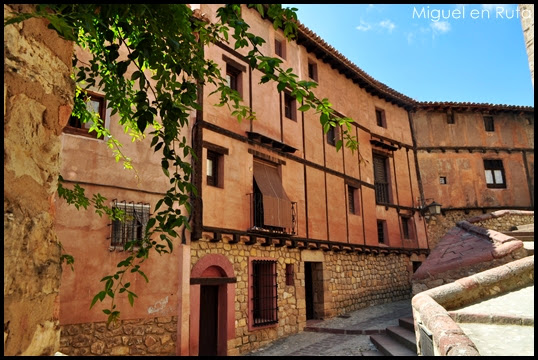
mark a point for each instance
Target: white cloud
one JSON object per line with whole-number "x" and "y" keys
{"x": 363, "y": 26}
{"x": 440, "y": 26}
{"x": 387, "y": 24}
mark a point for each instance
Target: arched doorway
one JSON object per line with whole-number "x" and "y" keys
{"x": 212, "y": 321}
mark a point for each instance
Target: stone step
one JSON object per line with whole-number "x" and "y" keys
{"x": 407, "y": 323}
{"x": 529, "y": 246}
{"x": 404, "y": 336}
{"x": 391, "y": 347}
{"x": 521, "y": 235}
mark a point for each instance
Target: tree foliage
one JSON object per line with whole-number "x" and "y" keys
{"x": 165, "y": 51}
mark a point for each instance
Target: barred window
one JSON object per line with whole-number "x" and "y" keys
{"x": 263, "y": 292}
{"x": 133, "y": 225}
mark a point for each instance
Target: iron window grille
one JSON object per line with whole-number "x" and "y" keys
{"x": 132, "y": 226}
{"x": 264, "y": 293}
{"x": 381, "y": 238}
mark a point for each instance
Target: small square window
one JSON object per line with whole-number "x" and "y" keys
{"x": 95, "y": 103}
{"x": 312, "y": 70}
{"x": 290, "y": 107}
{"x": 280, "y": 48}
{"x": 380, "y": 118}
{"x": 442, "y": 180}
{"x": 489, "y": 124}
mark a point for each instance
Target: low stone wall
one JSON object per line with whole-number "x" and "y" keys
{"x": 351, "y": 281}
{"x": 151, "y": 336}
{"x": 501, "y": 220}
{"x": 430, "y": 308}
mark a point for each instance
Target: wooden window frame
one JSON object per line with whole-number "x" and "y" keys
{"x": 353, "y": 200}
{"x": 290, "y": 106}
{"x": 382, "y": 232}
{"x": 382, "y": 188}
{"x": 74, "y": 125}
{"x": 290, "y": 275}
{"x": 313, "y": 70}
{"x": 280, "y": 48}
{"x": 489, "y": 123}
{"x": 380, "y": 118}
{"x": 491, "y": 166}
{"x": 333, "y": 135}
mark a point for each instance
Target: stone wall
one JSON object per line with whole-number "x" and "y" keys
{"x": 38, "y": 96}
{"x": 351, "y": 281}
{"x": 151, "y": 336}
{"x": 502, "y": 220}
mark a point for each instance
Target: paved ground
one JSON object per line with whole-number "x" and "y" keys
{"x": 508, "y": 339}
{"x": 325, "y": 342}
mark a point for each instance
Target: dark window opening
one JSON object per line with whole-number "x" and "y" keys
{"x": 416, "y": 265}
{"x": 450, "y": 118}
{"x": 132, "y": 225}
{"x": 264, "y": 292}
{"x": 489, "y": 124}
{"x": 381, "y": 235}
{"x": 442, "y": 180}
{"x": 333, "y": 135}
{"x": 405, "y": 228}
{"x": 233, "y": 78}
{"x": 352, "y": 198}
{"x": 289, "y": 275}
{"x": 95, "y": 103}
{"x": 494, "y": 172}
{"x": 213, "y": 164}
{"x": 380, "y": 118}
{"x": 313, "y": 70}
{"x": 280, "y": 48}
{"x": 290, "y": 110}
{"x": 381, "y": 179}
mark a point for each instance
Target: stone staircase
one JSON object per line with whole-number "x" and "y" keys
{"x": 524, "y": 233}
{"x": 398, "y": 340}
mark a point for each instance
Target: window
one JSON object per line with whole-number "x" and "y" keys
{"x": 352, "y": 199}
{"x": 494, "y": 172}
{"x": 280, "y": 48}
{"x": 381, "y": 231}
{"x": 133, "y": 225}
{"x": 95, "y": 103}
{"x": 380, "y": 118}
{"x": 381, "y": 179}
{"x": 233, "y": 78}
{"x": 263, "y": 293}
{"x": 442, "y": 180}
{"x": 271, "y": 209}
{"x": 408, "y": 230}
{"x": 312, "y": 70}
{"x": 488, "y": 123}
{"x": 290, "y": 110}
{"x": 213, "y": 162}
{"x": 333, "y": 135}
{"x": 289, "y": 275}
{"x": 450, "y": 118}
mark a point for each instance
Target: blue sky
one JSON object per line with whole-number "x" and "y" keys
{"x": 463, "y": 53}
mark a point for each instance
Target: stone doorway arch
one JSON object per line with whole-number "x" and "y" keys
{"x": 213, "y": 272}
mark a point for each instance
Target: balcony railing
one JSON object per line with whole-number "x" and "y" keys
{"x": 382, "y": 193}
{"x": 257, "y": 216}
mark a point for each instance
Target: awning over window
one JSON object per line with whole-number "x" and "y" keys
{"x": 276, "y": 204}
